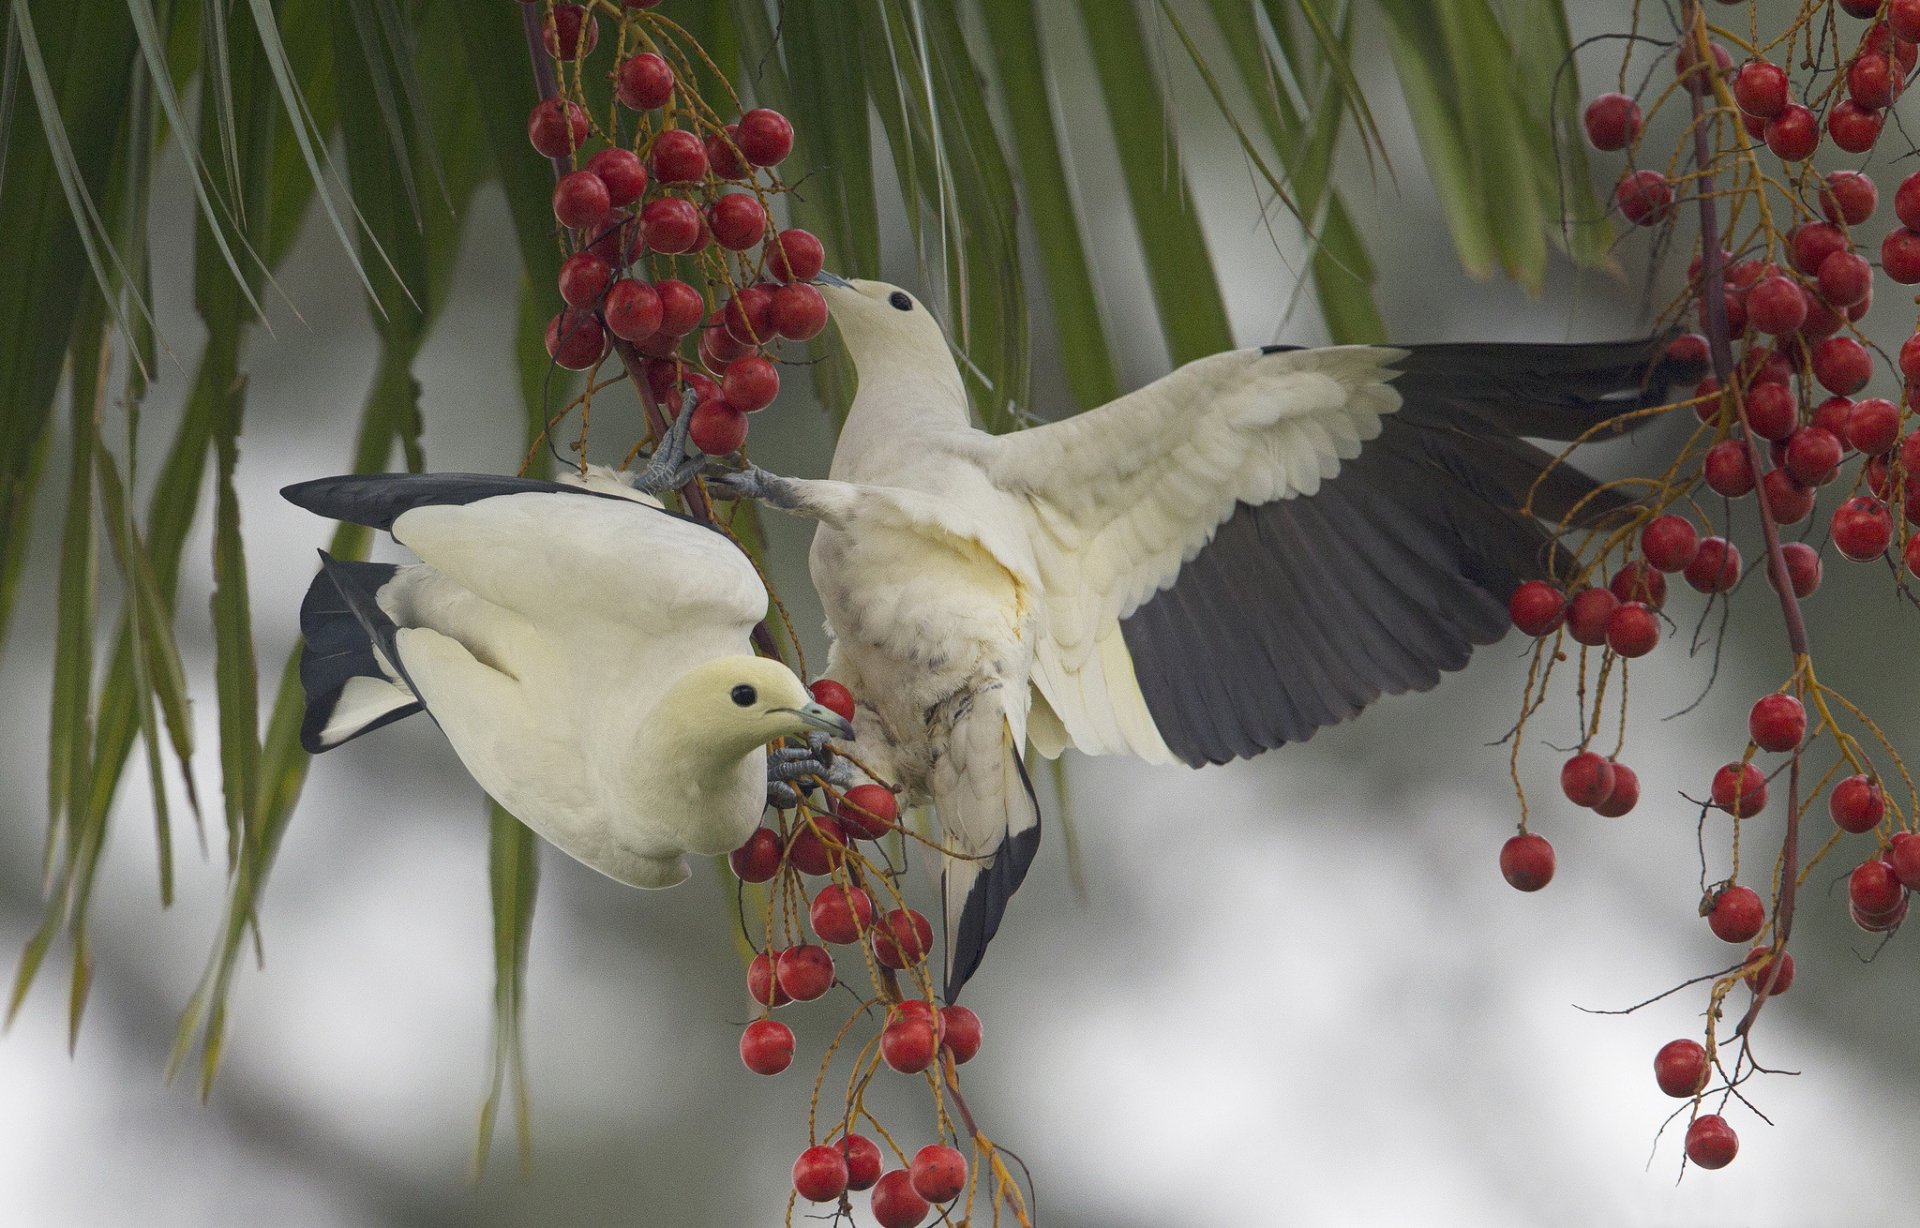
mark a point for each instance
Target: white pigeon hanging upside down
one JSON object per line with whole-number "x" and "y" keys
{"x": 1258, "y": 545}
{"x": 585, "y": 651}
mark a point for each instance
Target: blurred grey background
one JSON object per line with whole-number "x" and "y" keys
{"x": 1292, "y": 991}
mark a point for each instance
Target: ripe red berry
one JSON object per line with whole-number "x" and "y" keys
{"x": 1903, "y": 19}
{"x": 718, "y": 429}
{"x": 1612, "y": 121}
{"x": 1587, "y": 615}
{"x": 1737, "y": 914}
{"x": 672, "y": 225}
{"x": 750, "y": 384}
{"x": 1728, "y": 469}
{"x": 623, "y": 173}
{"x": 678, "y": 156}
{"x": 1526, "y": 862}
{"x": 718, "y": 348}
{"x": 1777, "y": 722}
{"x": 902, "y": 939}
{"x": 738, "y": 220}
{"x": 907, "y": 1044}
{"x": 799, "y": 312}
{"x": 681, "y": 307}
{"x": 938, "y": 1173}
{"x": 1813, "y": 455}
{"x": 1716, "y": 567}
{"x": 1871, "y": 82}
{"x": 763, "y": 985}
{"x": 749, "y": 315}
{"x": 758, "y": 859}
{"x": 767, "y": 1046}
{"x": 1873, "y": 426}
{"x": 1624, "y": 796}
{"x": 1787, "y": 498}
{"x": 1793, "y": 134}
{"x": 1586, "y": 779}
{"x": 818, "y": 845}
{"x": 1874, "y": 889}
{"x": 1740, "y": 790}
{"x": 1639, "y": 582}
{"x": 557, "y": 127}
{"x": 1849, "y": 197}
{"x": 569, "y": 32}
{"x": 1758, "y": 977}
{"x": 1645, "y": 197}
{"x": 633, "y": 310}
{"x": 795, "y": 255}
{"x": 1910, "y": 553}
{"x": 1831, "y": 415}
{"x": 1761, "y": 88}
{"x": 863, "y": 1160}
{"x": 895, "y": 1204}
{"x": 644, "y": 82}
{"x": 723, "y": 155}
{"x": 583, "y": 279}
{"x": 1711, "y": 1142}
{"x": 832, "y": 696}
{"x": 1776, "y": 305}
{"x": 1853, "y": 127}
{"x": 1537, "y": 608}
{"x": 766, "y": 138}
{"x": 575, "y": 340}
{"x": 1772, "y": 410}
{"x": 804, "y": 972}
{"x": 1900, "y": 255}
{"x": 1842, "y": 365}
{"x": 1803, "y": 568}
{"x": 1862, "y": 528}
{"x": 1632, "y": 630}
{"x": 1687, "y": 357}
{"x": 840, "y": 914}
{"x": 961, "y": 1033}
{"x": 1681, "y": 1068}
{"x": 1857, "y": 804}
{"x": 1905, "y": 856}
{"x": 1669, "y": 542}
{"x": 580, "y": 199}
{"x": 820, "y": 1174}
{"x": 869, "y": 811}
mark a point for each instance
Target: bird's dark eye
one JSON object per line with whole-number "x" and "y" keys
{"x": 744, "y": 695}
{"x": 900, "y": 300}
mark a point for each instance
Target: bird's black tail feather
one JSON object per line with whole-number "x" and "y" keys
{"x": 352, "y": 686}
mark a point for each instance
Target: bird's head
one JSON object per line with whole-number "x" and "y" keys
{"x": 876, "y": 319}
{"x": 734, "y": 704}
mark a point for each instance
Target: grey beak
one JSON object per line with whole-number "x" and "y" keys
{"x": 824, "y": 718}
{"x": 833, "y": 279}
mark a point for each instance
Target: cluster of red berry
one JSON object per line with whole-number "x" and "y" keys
{"x": 916, "y": 1033}
{"x": 1780, "y": 425}
{"x": 669, "y": 180}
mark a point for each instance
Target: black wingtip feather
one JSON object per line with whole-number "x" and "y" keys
{"x": 340, "y": 622}
{"x": 987, "y": 899}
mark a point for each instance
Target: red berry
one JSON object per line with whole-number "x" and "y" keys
{"x": 763, "y": 986}
{"x": 902, "y": 939}
{"x": 840, "y": 914}
{"x": 678, "y": 156}
{"x": 1711, "y": 1142}
{"x": 1728, "y": 469}
{"x": 863, "y": 1161}
{"x": 758, "y": 859}
{"x": 1639, "y": 582}
{"x": 749, "y": 315}
{"x": 1903, "y": 17}
{"x": 1900, "y": 255}
{"x": 1793, "y": 134}
{"x": 1761, "y": 88}
{"x": 1681, "y": 1068}
{"x": 723, "y": 154}
{"x": 750, "y": 384}
{"x": 575, "y": 340}
{"x": 1832, "y": 415}
{"x": 1777, "y": 722}
{"x": 1669, "y": 542}
{"x": 869, "y": 811}
{"x": 832, "y": 696}
{"x": 1537, "y": 608}
{"x": 738, "y": 221}
{"x": 805, "y": 972}
{"x": 1910, "y": 451}
{"x": 1861, "y": 8}
{"x": 1693, "y": 74}
{"x": 1612, "y": 121}
{"x": 1526, "y": 862}
{"x": 895, "y": 1204}
{"x": 907, "y": 1044}
{"x": 1849, "y": 197}
{"x": 1772, "y": 410}
{"x": 681, "y": 307}
{"x": 1586, "y": 779}
{"x": 1853, "y": 127}
{"x": 1813, "y": 455}
{"x": 1788, "y": 500}
{"x": 1645, "y": 197}
{"x": 1763, "y": 366}
{"x": 820, "y": 1174}
{"x": 1776, "y": 305}
{"x": 1803, "y": 568}
{"x": 1687, "y": 357}
{"x": 795, "y": 255}
{"x": 1841, "y": 364}
{"x": 1910, "y": 553}
{"x": 672, "y": 225}
{"x": 1740, "y": 790}
{"x": 1758, "y": 977}
{"x": 1873, "y": 426}
{"x": 1874, "y": 888}
{"x": 1905, "y": 857}
{"x": 766, "y": 137}
{"x": 818, "y": 845}
{"x": 767, "y": 1046}
{"x": 961, "y": 1033}
{"x": 1708, "y": 402}
{"x": 718, "y": 429}
{"x": 633, "y": 310}
{"x": 938, "y": 1173}
{"x": 1862, "y": 528}
{"x": 580, "y": 199}
{"x": 644, "y": 82}
{"x": 1625, "y": 795}
{"x": 1812, "y": 244}
{"x": 583, "y": 279}
{"x": 570, "y": 32}
{"x": 1632, "y": 631}
{"x": 623, "y": 173}
{"x": 1737, "y": 914}
{"x": 557, "y": 127}
{"x": 1871, "y": 82}
{"x": 1857, "y": 804}
{"x": 1587, "y": 615}
{"x": 618, "y": 238}
{"x": 1879, "y": 922}
{"x": 799, "y": 312}
{"x": 718, "y": 348}
{"x": 1716, "y": 568}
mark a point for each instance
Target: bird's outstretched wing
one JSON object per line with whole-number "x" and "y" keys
{"x": 1265, "y": 541}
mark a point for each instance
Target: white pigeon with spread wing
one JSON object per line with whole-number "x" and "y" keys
{"x": 585, "y": 651}
{"x": 1256, "y": 546}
